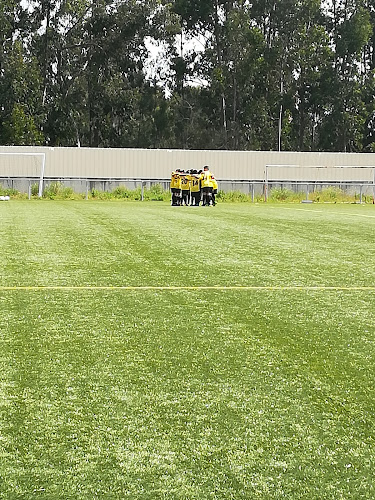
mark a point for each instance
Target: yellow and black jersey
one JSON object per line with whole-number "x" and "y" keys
{"x": 175, "y": 181}
{"x": 185, "y": 183}
{"x": 206, "y": 179}
{"x": 195, "y": 184}
{"x": 214, "y": 184}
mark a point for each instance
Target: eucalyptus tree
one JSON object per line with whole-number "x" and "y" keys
{"x": 343, "y": 126}
{"x": 19, "y": 79}
{"x": 206, "y": 20}
{"x": 310, "y": 60}
{"x": 368, "y": 81}
{"x": 268, "y": 74}
{"x": 91, "y": 55}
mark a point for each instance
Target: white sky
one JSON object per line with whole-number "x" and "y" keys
{"x": 157, "y": 64}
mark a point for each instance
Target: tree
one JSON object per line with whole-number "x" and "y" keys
{"x": 343, "y": 124}
{"x": 19, "y": 80}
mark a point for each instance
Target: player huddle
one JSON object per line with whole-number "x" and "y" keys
{"x": 193, "y": 187}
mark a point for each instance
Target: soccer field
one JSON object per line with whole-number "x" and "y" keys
{"x": 149, "y": 351}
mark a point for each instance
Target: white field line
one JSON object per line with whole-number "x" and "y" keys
{"x": 335, "y": 213}
{"x": 188, "y": 288}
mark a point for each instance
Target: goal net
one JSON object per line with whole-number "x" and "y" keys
{"x": 318, "y": 174}
{"x": 23, "y": 166}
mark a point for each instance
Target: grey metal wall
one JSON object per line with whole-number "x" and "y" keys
{"x": 157, "y": 164}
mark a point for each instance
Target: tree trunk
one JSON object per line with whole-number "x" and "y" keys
{"x": 92, "y": 81}
{"x": 220, "y": 63}
{"x": 46, "y": 51}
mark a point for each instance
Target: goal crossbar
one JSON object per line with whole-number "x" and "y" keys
{"x": 42, "y": 168}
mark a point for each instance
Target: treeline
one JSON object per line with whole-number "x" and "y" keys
{"x": 262, "y": 75}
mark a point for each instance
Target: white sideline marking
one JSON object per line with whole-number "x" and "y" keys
{"x": 194, "y": 288}
{"x": 335, "y": 213}
{"x": 358, "y": 215}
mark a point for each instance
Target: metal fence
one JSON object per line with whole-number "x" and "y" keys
{"x": 253, "y": 188}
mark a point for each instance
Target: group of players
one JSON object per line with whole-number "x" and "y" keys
{"x": 193, "y": 187}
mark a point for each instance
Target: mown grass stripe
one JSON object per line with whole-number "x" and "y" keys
{"x": 183, "y": 288}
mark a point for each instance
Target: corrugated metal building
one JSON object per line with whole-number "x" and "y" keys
{"x": 86, "y": 163}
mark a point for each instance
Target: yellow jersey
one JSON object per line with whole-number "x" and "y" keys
{"x": 175, "y": 181}
{"x": 206, "y": 179}
{"x": 185, "y": 183}
{"x": 214, "y": 183}
{"x": 195, "y": 184}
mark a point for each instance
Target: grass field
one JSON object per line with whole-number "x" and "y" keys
{"x": 264, "y": 392}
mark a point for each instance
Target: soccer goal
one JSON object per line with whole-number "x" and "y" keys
{"x": 30, "y": 166}
{"x": 318, "y": 174}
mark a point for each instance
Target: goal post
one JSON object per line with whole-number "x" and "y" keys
{"x": 23, "y": 165}
{"x": 322, "y": 174}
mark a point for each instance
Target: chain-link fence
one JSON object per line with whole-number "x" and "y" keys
{"x": 253, "y": 190}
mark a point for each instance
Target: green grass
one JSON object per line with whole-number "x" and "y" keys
{"x": 187, "y": 394}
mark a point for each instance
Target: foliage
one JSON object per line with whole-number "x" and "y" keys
{"x": 78, "y": 74}
{"x": 34, "y": 189}
{"x": 57, "y": 191}
{"x": 330, "y": 195}
{"x": 10, "y": 192}
{"x": 284, "y": 194}
{"x": 233, "y": 196}
{"x": 156, "y": 193}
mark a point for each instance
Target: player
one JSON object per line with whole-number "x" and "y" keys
{"x": 195, "y": 188}
{"x": 206, "y": 183}
{"x": 185, "y": 189}
{"x": 176, "y": 188}
{"x": 214, "y": 190}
